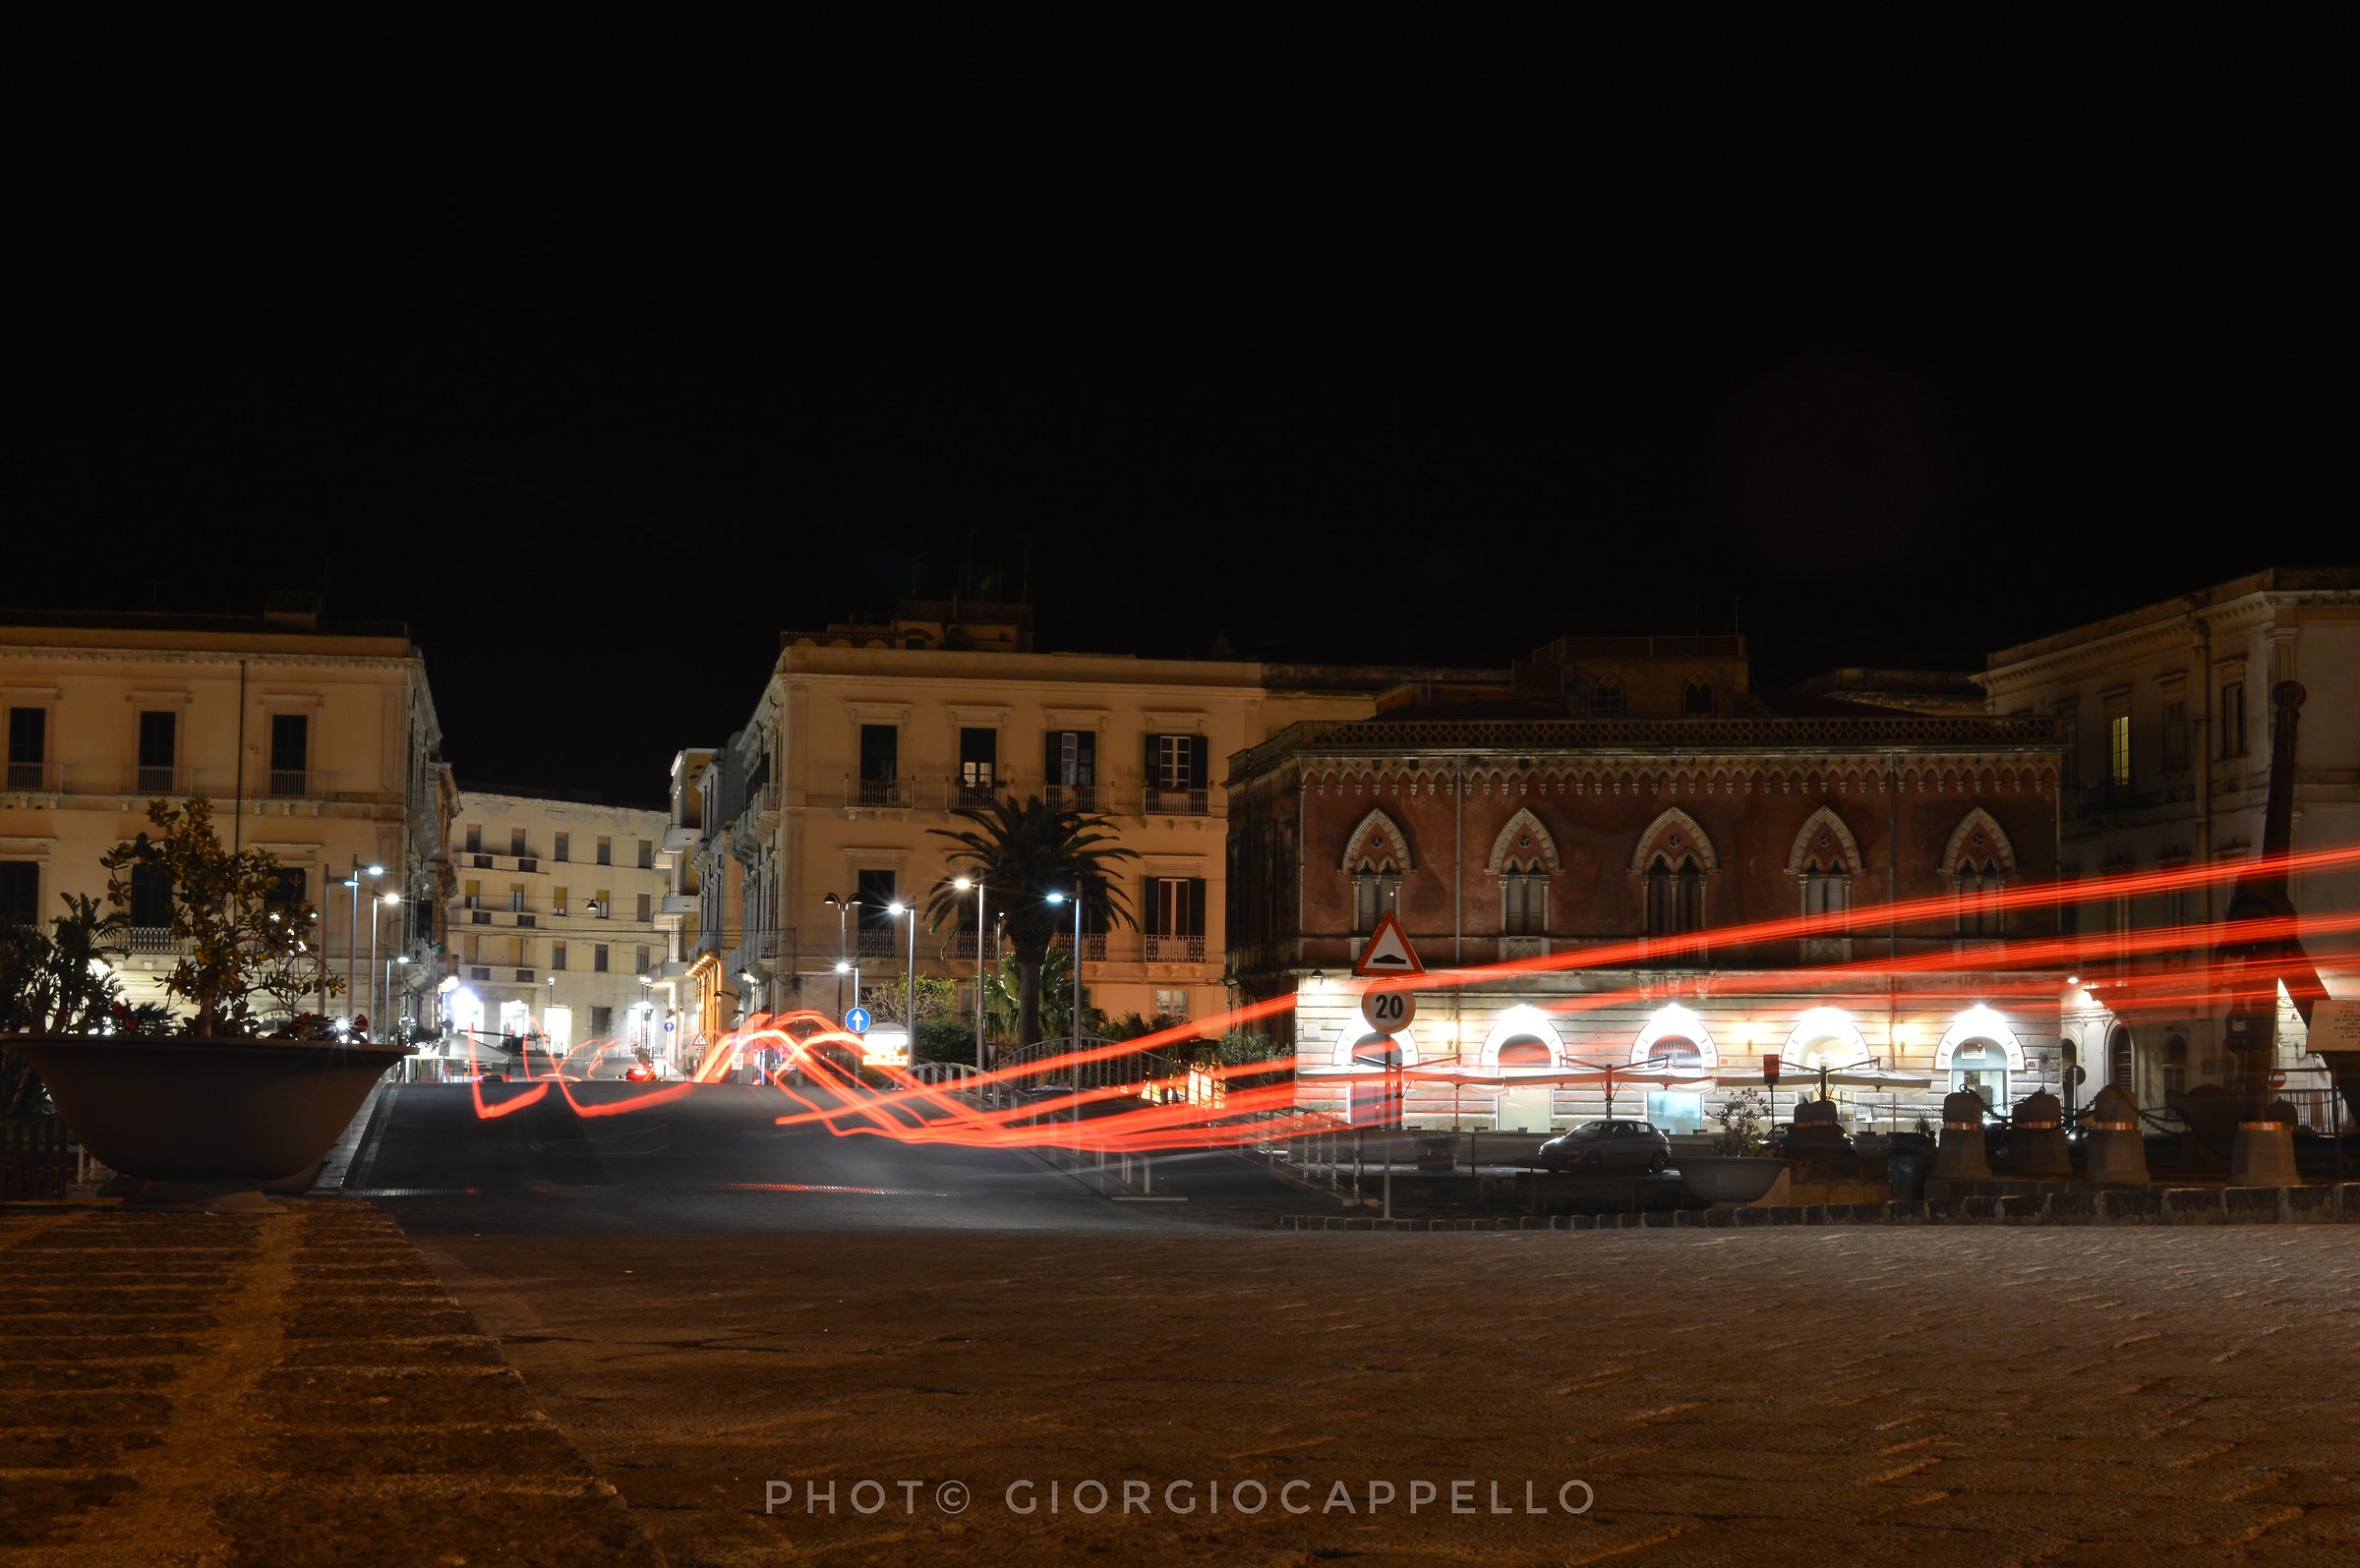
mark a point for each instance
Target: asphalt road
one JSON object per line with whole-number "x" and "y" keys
{"x": 715, "y": 1159}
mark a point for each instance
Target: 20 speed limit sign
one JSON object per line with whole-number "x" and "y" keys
{"x": 1388, "y": 1012}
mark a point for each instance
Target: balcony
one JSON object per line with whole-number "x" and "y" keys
{"x": 763, "y": 806}
{"x": 294, "y": 784}
{"x": 37, "y": 778}
{"x": 175, "y": 784}
{"x": 1173, "y": 948}
{"x": 1073, "y": 796}
{"x": 1520, "y": 946}
{"x": 879, "y": 942}
{"x": 962, "y": 945}
{"x": 972, "y": 795}
{"x": 1093, "y": 944}
{"x": 678, "y": 838}
{"x": 1160, "y": 803}
{"x": 150, "y": 942}
{"x": 676, "y": 907}
{"x": 881, "y": 792}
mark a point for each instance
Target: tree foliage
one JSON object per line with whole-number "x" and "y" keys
{"x": 240, "y": 937}
{"x": 55, "y": 982}
{"x": 1022, "y": 853}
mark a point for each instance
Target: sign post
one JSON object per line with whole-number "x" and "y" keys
{"x": 1387, "y": 953}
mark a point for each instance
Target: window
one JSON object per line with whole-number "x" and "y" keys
{"x": 291, "y": 754}
{"x": 598, "y": 957}
{"x": 1071, "y": 766}
{"x": 2118, "y": 750}
{"x": 1177, "y": 762}
{"x": 606, "y": 851}
{"x": 289, "y": 893}
{"x": 564, "y": 847}
{"x": 2069, "y": 735}
{"x": 1375, "y": 893}
{"x": 2175, "y": 734}
{"x": 475, "y": 838}
{"x": 471, "y": 895}
{"x": 556, "y": 954}
{"x": 880, "y": 764}
{"x": 517, "y": 954}
{"x": 602, "y": 1021}
{"x": 28, "y": 746}
{"x": 515, "y": 897}
{"x": 601, "y": 907}
{"x": 1175, "y": 918}
{"x": 1827, "y": 896}
{"x": 20, "y": 892}
{"x": 1523, "y": 898}
{"x": 1697, "y": 701}
{"x": 1979, "y": 882}
{"x": 1606, "y": 699}
{"x": 2232, "y": 719}
{"x": 979, "y": 764}
{"x": 640, "y": 967}
{"x": 159, "y": 750}
{"x": 516, "y": 841}
{"x": 2175, "y": 1066}
{"x": 647, "y": 854}
{"x": 2118, "y": 1061}
{"x": 643, "y": 909}
{"x": 1675, "y": 896}
{"x": 1171, "y": 1004}
{"x": 556, "y": 901}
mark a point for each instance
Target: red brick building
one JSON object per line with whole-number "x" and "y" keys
{"x": 1615, "y": 791}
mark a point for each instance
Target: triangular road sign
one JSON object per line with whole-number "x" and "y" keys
{"x": 1387, "y": 951}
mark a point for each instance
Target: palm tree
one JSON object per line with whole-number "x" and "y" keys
{"x": 1022, "y": 855}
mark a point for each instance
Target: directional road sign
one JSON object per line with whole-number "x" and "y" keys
{"x": 856, "y": 1021}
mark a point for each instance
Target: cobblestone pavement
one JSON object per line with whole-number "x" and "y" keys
{"x": 1886, "y": 1395}
{"x": 284, "y": 1391}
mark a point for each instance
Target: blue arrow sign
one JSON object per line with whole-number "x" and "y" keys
{"x": 857, "y": 1020}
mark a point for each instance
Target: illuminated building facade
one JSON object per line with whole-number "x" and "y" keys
{"x": 1629, "y": 797}
{"x": 314, "y": 740}
{"x": 558, "y": 927}
{"x": 868, "y": 737}
{"x": 2165, "y": 712}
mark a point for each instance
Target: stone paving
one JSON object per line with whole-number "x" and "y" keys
{"x": 285, "y": 1390}
{"x": 1922, "y": 1395}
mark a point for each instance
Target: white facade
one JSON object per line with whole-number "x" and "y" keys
{"x": 557, "y": 929}
{"x": 2167, "y": 714}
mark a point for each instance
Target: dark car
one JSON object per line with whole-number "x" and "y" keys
{"x": 1594, "y": 1145}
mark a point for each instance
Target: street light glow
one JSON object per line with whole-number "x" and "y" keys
{"x": 377, "y": 871}
{"x": 1054, "y": 898}
{"x": 962, "y": 883}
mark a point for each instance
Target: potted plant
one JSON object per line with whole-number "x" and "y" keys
{"x": 205, "y": 1117}
{"x": 1737, "y": 1170}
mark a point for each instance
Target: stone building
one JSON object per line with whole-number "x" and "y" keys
{"x": 314, "y": 740}
{"x": 558, "y": 926}
{"x": 1587, "y": 841}
{"x": 868, "y": 737}
{"x": 2166, "y": 715}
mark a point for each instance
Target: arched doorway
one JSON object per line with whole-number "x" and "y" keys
{"x": 2121, "y": 1071}
{"x": 1676, "y": 1110}
{"x": 1526, "y": 1109}
{"x": 1980, "y": 1067}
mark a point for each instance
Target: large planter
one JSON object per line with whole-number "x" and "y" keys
{"x": 204, "y": 1124}
{"x": 1730, "y": 1179}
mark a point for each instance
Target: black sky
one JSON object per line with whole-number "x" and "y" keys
{"x": 1884, "y": 411}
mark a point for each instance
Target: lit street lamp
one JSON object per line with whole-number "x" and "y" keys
{"x": 898, "y": 908}
{"x": 376, "y": 1006}
{"x": 844, "y": 966}
{"x": 983, "y": 925}
{"x": 352, "y": 931}
{"x": 1059, "y": 897}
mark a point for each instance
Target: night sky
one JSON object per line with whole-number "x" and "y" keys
{"x": 597, "y": 496}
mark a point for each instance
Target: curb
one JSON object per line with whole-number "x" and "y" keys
{"x": 2169, "y": 1205}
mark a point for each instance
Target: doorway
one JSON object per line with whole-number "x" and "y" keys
{"x": 1980, "y": 1068}
{"x": 1376, "y": 1104}
{"x": 1525, "y": 1108}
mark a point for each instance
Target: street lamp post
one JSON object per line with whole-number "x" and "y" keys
{"x": 909, "y": 984}
{"x": 375, "y": 1005}
{"x": 983, "y": 925}
{"x": 352, "y": 931}
{"x": 844, "y": 965}
{"x": 392, "y": 958}
{"x": 1075, "y": 1023}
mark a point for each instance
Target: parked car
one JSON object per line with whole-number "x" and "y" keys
{"x": 1596, "y": 1145}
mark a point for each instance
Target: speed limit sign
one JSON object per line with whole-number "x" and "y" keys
{"x": 1388, "y": 1012}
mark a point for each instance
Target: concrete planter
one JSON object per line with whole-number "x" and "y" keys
{"x": 1730, "y": 1179}
{"x": 204, "y": 1124}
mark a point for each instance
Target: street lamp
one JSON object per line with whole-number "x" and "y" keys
{"x": 376, "y": 1007}
{"x": 983, "y": 925}
{"x": 391, "y": 960}
{"x": 352, "y": 930}
{"x": 1059, "y": 897}
{"x": 843, "y": 964}
{"x": 897, "y": 908}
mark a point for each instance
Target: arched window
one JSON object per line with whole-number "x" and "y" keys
{"x": 2119, "y": 1069}
{"x": 1375, "y": 893}
{"x": 1523, "y": 897}
{"x": 1677, "y": 1054}
{"x": 1824, "y": 860}
{"x": 1606, "y": 699}
{"x": 1978, "y": 862}
{"x": 1697, "y": 701}
{"x": 1675, "y": 896}
{"x": 2175, "y": 1064}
